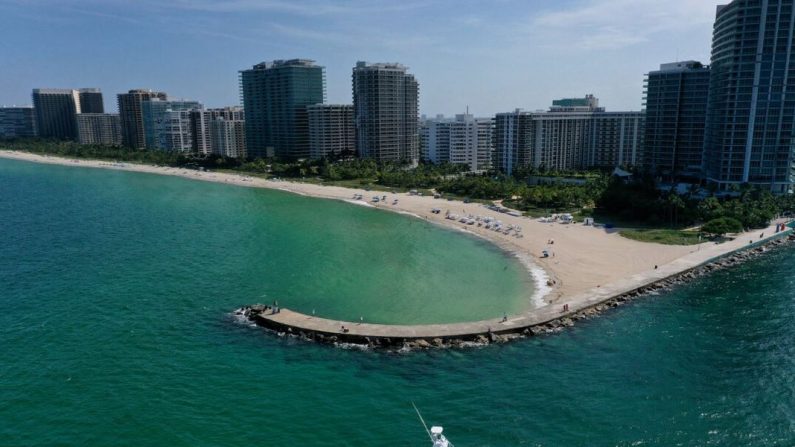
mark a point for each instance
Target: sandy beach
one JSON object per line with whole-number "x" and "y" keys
{"x": 582, "y": 258}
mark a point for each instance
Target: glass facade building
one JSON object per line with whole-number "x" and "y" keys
{"x": 385, "y": 109}
{"x": 676, "y": 113}
{"x": 131, "y": 115}
{"x": 56, "y": 110}
{"x": 275, "y": 97}
{"x": 17, "y": 122}
{"x": 167, "y": 124}
{"x": 751, "y": 110}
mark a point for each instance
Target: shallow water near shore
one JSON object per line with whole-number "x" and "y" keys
{"x": 113, "y": 335}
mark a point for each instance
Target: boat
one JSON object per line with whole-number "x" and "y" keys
{"x": 435, "y": 433}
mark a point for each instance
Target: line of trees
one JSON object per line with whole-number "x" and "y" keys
{"x": 637, "y": 200}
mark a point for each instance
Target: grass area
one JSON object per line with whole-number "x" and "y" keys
{"x": 663, "y": 236}
{"x": 533, "y": 212}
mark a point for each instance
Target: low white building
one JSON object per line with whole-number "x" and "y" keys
{"x": 461, "y": 140}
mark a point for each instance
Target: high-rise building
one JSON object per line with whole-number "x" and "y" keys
{"x": 219, "y": 131}
{"x": 131, "y": 115}
{"x": 228, "y": 137}
{"x": 385, "y": 103}
{"x": 17, "y": 122}
{"x": 331, "y": 130}
{"x": 275, "y": 96}
{"x": 167, "y": 125}
{"x": 434, "y": 139}
{"x": 99, "y": 128}
{"x": 676, "y": 114}
{"x": 56, "y": 110}
{"x": 90, "y": 100}
{"x": 616, "y": 140}
{"x": 751, "y": 110}
{"x": 513, "y": 140}
{"x": 571, "y": 135}
{"x": 461, "y": 140}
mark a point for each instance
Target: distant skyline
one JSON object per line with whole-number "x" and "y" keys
{"x": 491, "y": 56}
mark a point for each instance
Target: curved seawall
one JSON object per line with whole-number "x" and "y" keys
{"x": 541, "y": 320}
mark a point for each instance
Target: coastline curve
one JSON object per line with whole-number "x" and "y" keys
{"x": 548, "y": 318}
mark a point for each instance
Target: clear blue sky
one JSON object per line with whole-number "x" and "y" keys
{"x": 493, "y": 55}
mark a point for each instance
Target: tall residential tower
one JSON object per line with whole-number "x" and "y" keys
{"x": 275, "y": 98}
{"x": 751, "y": 110}
{"x": 676, "y": 113}
{"x": 385, "y": 108}
{"x": 167, "y": 124}
{"x": 57, "y": 109}
{"x": 219, "y": 131}
{"x": 131, "y": 116}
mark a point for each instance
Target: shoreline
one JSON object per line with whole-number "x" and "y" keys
{"x": 587, "y": 265}
{"x": 409, "y": 339}
{"x": 537, "y": 274}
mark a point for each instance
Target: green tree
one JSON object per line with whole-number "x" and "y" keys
{"x": 722, "y": 225}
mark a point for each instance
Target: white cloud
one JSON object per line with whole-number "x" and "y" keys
{"x": 301, "y": 8}
{"x": 614, "y": 24}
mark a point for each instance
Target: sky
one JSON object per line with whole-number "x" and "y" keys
{"x": 489, "y": 55}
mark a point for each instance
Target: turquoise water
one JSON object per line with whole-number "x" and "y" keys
{"x": 114, "y": 334}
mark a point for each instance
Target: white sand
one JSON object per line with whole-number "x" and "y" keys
{"x": 584, "y": 258}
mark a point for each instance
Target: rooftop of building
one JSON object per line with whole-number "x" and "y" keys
{"x": 280, "y": 63}
{"x": 589, "y": 103}
{"x": 64, "y": 91}
{"x": 459, "y": 117}
{"x": 362, "y": 65}
{"x": 144, "y": 90}
{"x": 681, "y": 66}
{"x": 225, "y": 109}
{"x": 571, "y": 112}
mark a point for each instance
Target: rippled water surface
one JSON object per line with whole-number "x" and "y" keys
{"x": 114, "y": 330}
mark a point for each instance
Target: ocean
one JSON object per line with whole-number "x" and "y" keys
{"x": 116, "y": 294}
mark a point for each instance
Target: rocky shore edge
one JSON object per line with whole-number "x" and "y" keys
{"x": 252, "y": 312}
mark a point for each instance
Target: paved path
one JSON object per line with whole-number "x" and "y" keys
{"x": 702, "y": 254}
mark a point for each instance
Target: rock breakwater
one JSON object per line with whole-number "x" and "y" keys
{"x": 258, "y": 313}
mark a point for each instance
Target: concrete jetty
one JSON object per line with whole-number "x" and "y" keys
{"x": 557, "y": 314}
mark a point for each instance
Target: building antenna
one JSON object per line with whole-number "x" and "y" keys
{"x": 467, "y": 109}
